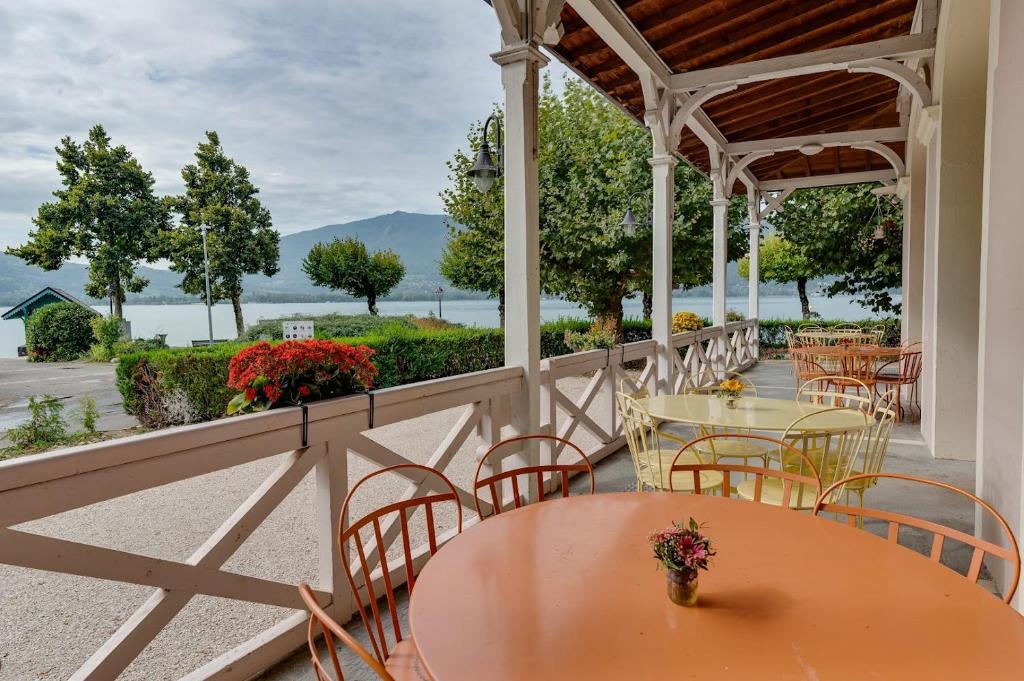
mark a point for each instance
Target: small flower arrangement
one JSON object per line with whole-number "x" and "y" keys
{"x": 731, "y": 389}
{"x": 683, "y": 551}
{"x": 294, "y": 372}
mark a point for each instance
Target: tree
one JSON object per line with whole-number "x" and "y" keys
{"x": 819, "y": 220}
{"x": 106, "y": 212}
{"x": 474, "y": 257}
{"x": 241, "y": 238}
{"x": 592, "y": 159}
{"x": 783, "y": 261}
{"x": 345, "y": 264}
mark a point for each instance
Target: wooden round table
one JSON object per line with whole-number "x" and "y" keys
{"x": 755, "y": 413}
{"x": 568, "y": 589}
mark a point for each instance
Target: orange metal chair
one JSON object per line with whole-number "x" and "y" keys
{"x": 806, "y": 367}
{"x": 905, "y": 371}
{"x": 400, "y": 659}
{"x": 940, "y": 533}
{"x": 768, "y": 485}
{"x": 859, "y": 366}
{"x": 494, "y": 482}
{"x": 331, "y": 630}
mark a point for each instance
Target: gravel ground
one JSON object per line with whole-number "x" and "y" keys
{"x": 51, "y": 623}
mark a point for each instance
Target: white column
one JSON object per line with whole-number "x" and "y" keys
{"x": 913, "y": 191}
{"x": 720, "y": 209}
{"x": 1000, "y": 442}
{"x": 663, "y": 171}
{"x": 754, "y": 254}
{"x": 520, "y": 66}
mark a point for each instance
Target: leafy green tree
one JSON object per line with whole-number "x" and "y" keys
{"x": 835, "y": 227}
{"x": 241, "y": 238}
{"x": 592, "y": 159}
{"x": 783, "y": 261}
{"x": 106, "y": 212}
{"x": 345, "y": 264}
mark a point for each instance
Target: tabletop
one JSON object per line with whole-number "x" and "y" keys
{"x": 568, "y": 589}
{"x": 755, "y": 413}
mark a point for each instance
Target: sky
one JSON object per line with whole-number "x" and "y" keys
{"x": 340, "y": 109}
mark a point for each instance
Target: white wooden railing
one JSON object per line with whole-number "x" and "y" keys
{"x": 40, "y": 486}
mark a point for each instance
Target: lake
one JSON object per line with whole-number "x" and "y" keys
{"x": 182, "y": 323}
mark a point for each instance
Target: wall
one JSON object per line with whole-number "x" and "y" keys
{"x": 1000, "y": 415}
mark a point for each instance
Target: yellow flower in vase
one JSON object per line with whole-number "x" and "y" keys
{"x": 730, "y": 390}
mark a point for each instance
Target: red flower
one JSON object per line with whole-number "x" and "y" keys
{"x": 250, "y": 394}
{"x": 304, "y": 390}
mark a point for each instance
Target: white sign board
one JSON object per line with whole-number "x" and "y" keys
{"x": 297, "y": 330}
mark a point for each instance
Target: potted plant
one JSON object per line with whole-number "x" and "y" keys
{"x": 683, "y": 551}
{"x": 295, "y": 372}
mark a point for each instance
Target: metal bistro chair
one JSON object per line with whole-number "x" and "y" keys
{"x": 400, "y": 658}
{"x": 638, "y": 391}
{"x": 651, "y": 460}
{"x": 806, "y": 366}
{"x": 860, "y": 366}
{"x": 817, "y": 391}
{"x": 740, "y": 448}
{"x": 495, "y": 482}
{"x": 767, "y": 485}
{"x": 876, "y": 445}
{"x": 940, "y": 533}
{"x": 831, "y": 448}
{"x": 905, "y": 371}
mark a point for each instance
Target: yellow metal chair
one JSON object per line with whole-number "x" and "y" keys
{"x": 876, "y": 445}
{"x": 727, "y": 448}
{"x": 832, "y": 450}
{"x": 651, "y": 461}
{"x": 639, "y": 391}
{"x": 817, "y": 391}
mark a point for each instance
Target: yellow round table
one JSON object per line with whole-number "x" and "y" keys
{"x": 752, "y": 413}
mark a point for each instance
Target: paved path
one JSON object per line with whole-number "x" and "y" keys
{"x": 68, "y": 381}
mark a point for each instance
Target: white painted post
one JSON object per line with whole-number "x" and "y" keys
{"x": 720, "y": 208}
{"x": 753, "y": 298}
{"x": 520, "y": 64}
{"x": 663, "y": 171}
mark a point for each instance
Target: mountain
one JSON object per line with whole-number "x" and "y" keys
{"x": 416, "y": 237}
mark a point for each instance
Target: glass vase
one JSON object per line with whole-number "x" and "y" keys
{"x": 682, "y": 587}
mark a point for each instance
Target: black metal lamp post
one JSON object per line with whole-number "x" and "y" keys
{"x": 440, "y": 295}
{"x": 487, "y": 167}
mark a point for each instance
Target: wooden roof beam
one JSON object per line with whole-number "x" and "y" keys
{"x": 829, "y": 180}
{"x": 832, "y": 59}
{"x": 610, "y": 23}
{"x": 833, "y": 139}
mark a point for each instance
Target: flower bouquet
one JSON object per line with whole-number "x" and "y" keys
{"x": 730, "y": 391}
{"x": 294, "y": 372}
{"x": 683, "y": 551}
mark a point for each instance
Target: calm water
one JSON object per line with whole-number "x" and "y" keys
{"x": 182, "y": 323}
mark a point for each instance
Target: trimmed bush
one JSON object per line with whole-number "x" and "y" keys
{"x": 331, "y": 326}
{"x": 61, "y": 332}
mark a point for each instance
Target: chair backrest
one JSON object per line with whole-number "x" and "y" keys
{"x": 877, "y": 333}
{"x": 817, "y": 391}
{"x": 857, "y": 364}
{"x": 385, "y": 523}
{"x": 847, "y": 328}
{"x": 790, "y": 337}
{"x": 634, "y": 388}
{"x": 322, "y": 624}
{"x": 800, "y": 481}
{"x": 642, "y": 437}
{"x": 805, "y": 363}
{"x": 695, "y": 386}
{"x": 833, "y": 445}
{"x": 810, "y": 327}
{"x": 908, "y": 366}
{"x": 939, "y": 532}
{"x": 495, "y": 482}
{"x": 876, "y": 439}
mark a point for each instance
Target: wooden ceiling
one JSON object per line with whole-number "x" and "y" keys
{"x": 698, "y": 34}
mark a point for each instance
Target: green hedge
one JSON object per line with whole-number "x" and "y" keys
{"x": 60, "y": 332}
{"x": 331, "y": 326}
{"x": 773, "y": 336}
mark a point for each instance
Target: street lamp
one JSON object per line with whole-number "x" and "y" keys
{"x": 629, "y": 222}
{"x": 440, "y": 294}
{"x": 485, "y": 171}
{"x": 206, "y": 265}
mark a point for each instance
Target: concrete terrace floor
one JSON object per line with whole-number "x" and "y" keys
{"x": 774, "y": 378}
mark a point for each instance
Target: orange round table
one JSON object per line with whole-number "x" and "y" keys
{"x": 567, "y": 589}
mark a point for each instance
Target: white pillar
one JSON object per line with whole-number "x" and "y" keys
{"x": 754, "y": 254}
{"x": 663, "y": 171}
{"x": 1000, "y": 442}
{"x": 953, "y": 230}
{"x": 913, "y": 194}
{"x": 720, "y": 209}
{"x": 520, "y": 66}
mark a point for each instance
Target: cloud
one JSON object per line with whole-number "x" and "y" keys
{"x": 340, "y": 110}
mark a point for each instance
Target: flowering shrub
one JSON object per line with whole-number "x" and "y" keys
{"x": 686, "y": 321}
{"x": 682, "y": 548}
{"x": 294, "y": 372}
